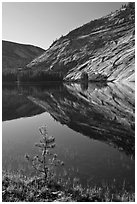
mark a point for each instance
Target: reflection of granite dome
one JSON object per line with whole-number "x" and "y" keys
{"x": 103, "y": 113}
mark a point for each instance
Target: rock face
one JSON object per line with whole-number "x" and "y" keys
{"x": 103, "y": 47}
{"x": 15, "y": 55}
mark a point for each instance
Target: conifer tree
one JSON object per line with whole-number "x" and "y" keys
{"x": 47, "y": 161}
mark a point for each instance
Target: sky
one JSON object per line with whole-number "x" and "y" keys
{"x": 40, "y": 23}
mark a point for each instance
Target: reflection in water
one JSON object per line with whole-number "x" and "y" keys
{"x": 103, "y": 113}
{"x": 84, "y": 85}
{"x": 16, "y": 105}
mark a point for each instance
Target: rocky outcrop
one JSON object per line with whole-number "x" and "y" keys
{"x": 103, "y": 47}
{"x": 15, "y": 55}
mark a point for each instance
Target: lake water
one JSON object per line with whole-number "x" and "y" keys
{"x": 93, "y": 126}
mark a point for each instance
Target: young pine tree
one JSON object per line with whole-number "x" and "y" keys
{"x": 47, "y": 161}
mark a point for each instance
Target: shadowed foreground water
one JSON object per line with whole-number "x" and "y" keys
{"x": 93, "y": 125}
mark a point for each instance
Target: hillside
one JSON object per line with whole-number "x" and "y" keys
{"x": 104, "y": 46}
{"x": 16, "y": 55}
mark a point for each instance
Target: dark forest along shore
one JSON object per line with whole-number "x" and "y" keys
{"x": 93, "y": 125}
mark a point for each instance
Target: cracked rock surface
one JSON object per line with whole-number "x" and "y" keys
{"x": 103, "y": 47}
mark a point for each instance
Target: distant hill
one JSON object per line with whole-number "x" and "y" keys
{"x": 105, "y": 46}
{"x": 16, "y": 55}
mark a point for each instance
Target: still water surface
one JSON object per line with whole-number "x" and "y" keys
{"x": 93, "y": 126}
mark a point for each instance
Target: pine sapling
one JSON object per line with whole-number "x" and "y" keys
{"x": 47, "y": 161}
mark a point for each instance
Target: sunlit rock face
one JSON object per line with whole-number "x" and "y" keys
{"x": 103, "y": 47}
{"x": 102, "y": 112}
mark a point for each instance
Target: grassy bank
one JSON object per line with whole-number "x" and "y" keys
{"x": 49, "y": 187}
{"x": 19, "y": 188}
